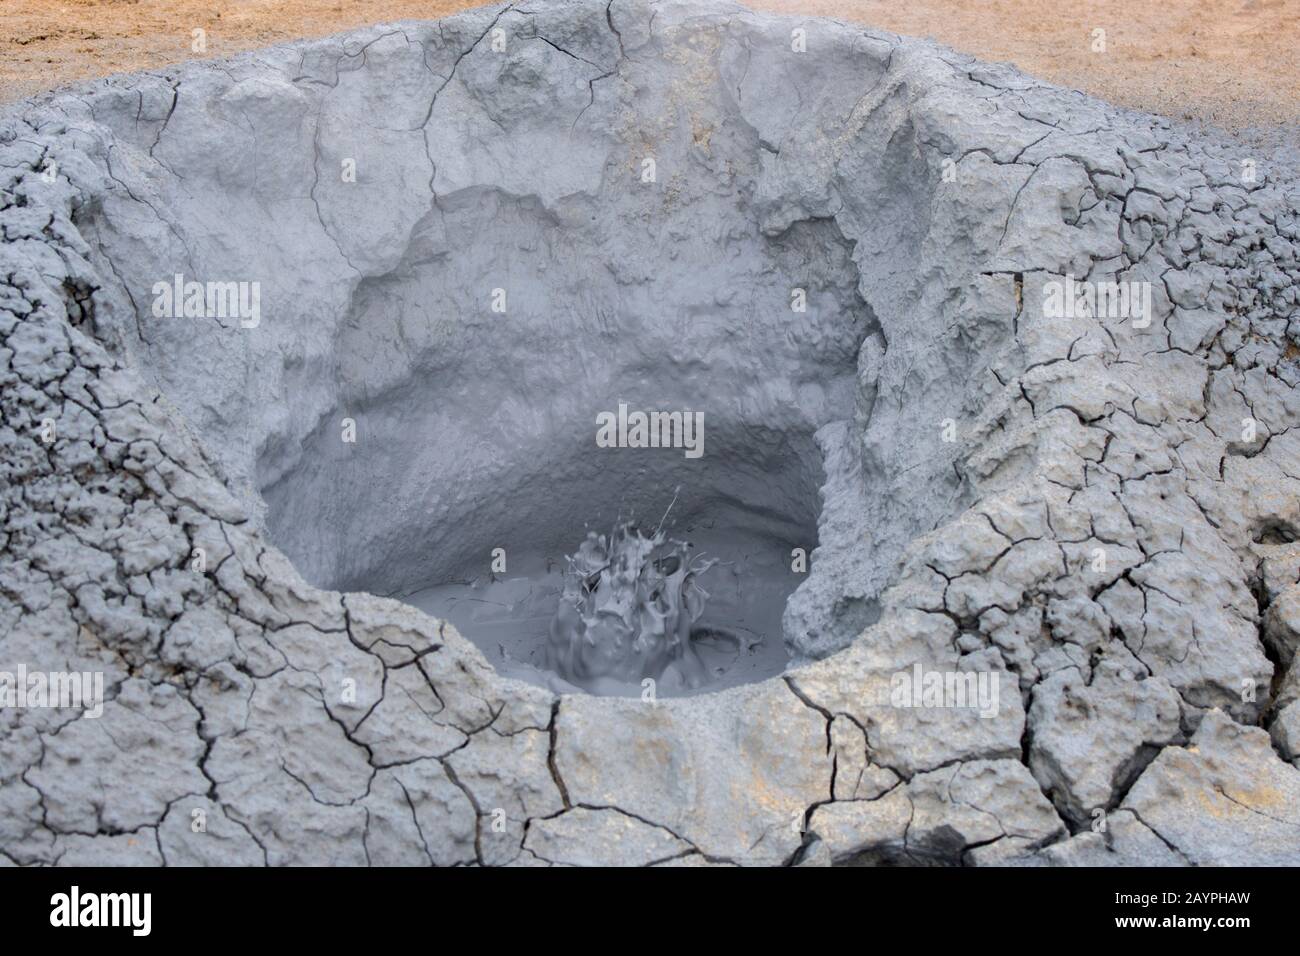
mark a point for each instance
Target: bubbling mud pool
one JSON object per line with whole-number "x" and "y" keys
{"x": 632, "y": 613}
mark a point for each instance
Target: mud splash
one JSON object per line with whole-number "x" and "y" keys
{"x": 626, "y": 613}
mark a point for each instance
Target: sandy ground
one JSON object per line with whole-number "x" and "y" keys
{"x": 1232, "y": 63}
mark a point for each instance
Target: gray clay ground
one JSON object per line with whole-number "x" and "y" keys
{"x": 1156, "y": 685}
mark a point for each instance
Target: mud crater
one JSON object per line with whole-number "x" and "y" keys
{"x": 446, "y": 315}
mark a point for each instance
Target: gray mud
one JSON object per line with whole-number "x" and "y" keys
{"x": 738, "y": 635}
{"x": 1094, "y": 509}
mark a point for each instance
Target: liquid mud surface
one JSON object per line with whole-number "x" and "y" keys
{"x": 738, "y": 637}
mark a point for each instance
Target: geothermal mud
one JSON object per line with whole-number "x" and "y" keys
{"x": 628, "y": 613}
{"x": 452, "y": 247}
